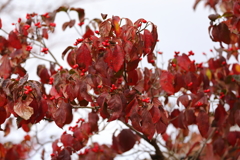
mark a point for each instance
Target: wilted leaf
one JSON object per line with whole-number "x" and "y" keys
{"x": 66, "y": 51}
{"x": 62, "y": 8}
{"x": 22, "y": 108}
{"x": 104, "y": 16}
{"x": 5, "y": 68}
{"x": 81, "y": 13}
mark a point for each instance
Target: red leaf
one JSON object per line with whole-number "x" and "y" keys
{"x": 135, "y": 117}
{"x": 5, "y": 68}
{"x": 80, "y": 11}
{"x": 105, "y": 28}
{"x": 220, "y": 116}
{"x": 147, "y": 124}
{"x": 126, "y": 135}
{"x": 166, "y": 82}
{"x": 64, "y": 155}
{"x": 71, "y": 58}
{"x": 115, "y": 107}
{"x": 115, "y": 59}
{"x": 184, "y": 62}
{"x": 156, "y": 115}
{"x": 93, "y": 121}
{"x": 132, "y": 77}
{"x": 14, "y": 40}
{"x": 203, "y": 123}
{"x": 88, "y": 33}
{"x": 184, "y": 99}
{"x": 66, "y": 51}
{"x": 148, "y": 41}
{"x": 233, "y": 137}
{"x": 160, "y": 127}
{"x": 45, "y": 33}
{"x": 42, "y": 72}
{"x": 83, "y": 56}
{"x": 3, "y": 115}
{"x": 67, "y": 140}
{"x": 63, "y": 115}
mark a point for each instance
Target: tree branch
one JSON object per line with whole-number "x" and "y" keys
{"x": 159, "y": 155}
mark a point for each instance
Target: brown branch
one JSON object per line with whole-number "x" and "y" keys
{"x": 5, "y": 5}
{"x": 158, "y": 153}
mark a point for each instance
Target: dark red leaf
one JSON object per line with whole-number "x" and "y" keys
{"x": 63, "y": 115}
{"x": 156, "y": 114}
{"x": 0, "y": 23}
{"x": 64, "y": 155}
{"x": 67, "y": 140}
{"x": 135, "y": 117}
{"x": 3, "y": 115}
{"x": 81, "y": 13}
{"x": 148, "y": 41}
{"x": 88, "y": 33}
{"x": 115, "y": 58}
{"x": 43, "y": 73}
{"x": 115, "y": 107}
{"x": 105, "y": 28}
{"x": 14, "y": 40}
{"x": 166, "y": 82}
{"x": 203, "y": 123}
{"x": 62, "y": 9}
{"x": 65, "y": 25}
{"x": 184, "y": 99}
{"x": 5, "y": 68}
{"x": 132, "y": 77}
{"x": 160, "y": 127}
{"x": 66, "y": 51}
{"x": 219, "y": 146}
{"x": 45, "y": 33}
{"x": 184, "y": 62}
{"x": 220, "y": 116}
{"x": 83, "y": 56}
{"x": 147, "y": 124}
{"x": 71, "y": 58}
{"x": 104, "y": 16}
{"x": 126, "y": 135}
{"x": 93, "y": 121}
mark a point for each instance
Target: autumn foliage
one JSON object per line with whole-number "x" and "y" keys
{"x": 105, "y": 78}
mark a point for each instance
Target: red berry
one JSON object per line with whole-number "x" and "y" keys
{"x": 190, "y": 84}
